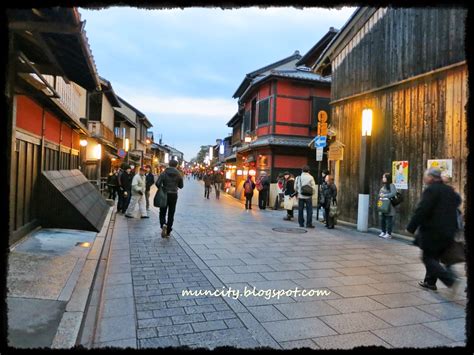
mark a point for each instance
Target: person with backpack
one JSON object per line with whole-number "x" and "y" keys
{"x": 305, "y": 188}
{"x": 249, "y": 186}
{"x": 263, "y": 187}
{"x": 387, "y": 191}
{"x": 329, "y": 193}
{"x": 170, "y": 181}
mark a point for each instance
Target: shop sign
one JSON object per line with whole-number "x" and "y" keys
{"x": 336, "y": 151}
{"x": 319, "y": 154}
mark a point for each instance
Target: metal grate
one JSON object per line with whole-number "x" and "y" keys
{"x": 290, "y": 230}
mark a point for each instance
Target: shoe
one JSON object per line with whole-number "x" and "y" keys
{"x": 311, "y": 226}
{"x": 428, "y": 286}
{"x": 332, "y": 227}
{"x": 287, "y": 218}
{"x": 381, "y": 234}
{"x": 128, "y": 216}
{"x": 144, "y": 217}
{"x": 164, "y": 230}
{"x": 387, "y": 236}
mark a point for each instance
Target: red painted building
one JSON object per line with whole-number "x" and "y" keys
{"x": 277, "y": 119}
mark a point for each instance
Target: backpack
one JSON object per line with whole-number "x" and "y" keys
{"x": 259, "y": 184}
{"x": 248, "y": 187}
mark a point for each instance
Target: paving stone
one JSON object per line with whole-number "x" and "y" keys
{"x": 412, "y": 336}
{"x": 118, "y": 307}
{"x": 355, "y": 280}
{"x": 219, "y": 315}
{"x": 393, "y": 287}
{"x": 266, "y": 313}
{"x": 125, "y": 343}
{"x": 306, "y": 309}
{"x": 144, "y": 314}
{"x": 251, "y": 268}
{"x": 454, "y": 329}
{"x": 161, "y": 342}
{"x": 241, "y": 277}
{"x": 282, "y": 275}
{"x": 154, "y": 322}
{"x": 234, "y": 323}
{"x": 224, "y": 335}
{"x": 146, "y": 333}
{"x": 116, "y": 328}
{"x": 168, "y": 312}
{"x": 355, "y": 304}
{"x": 199, "y": 309}
{"x": 355, "y": 291}
{"x": 317, "y": 282}
{"x": 318, "y": 273}
{"x": 403, "y": 316}
{"x": 188, "y": 318}
{"x": 298, "y": 344}
{"x": 395, "y": 300}
{"x": 445, "y": 310}
{"x": 353, "y": 271}
{"x": 350, "y": 341}
{"x": 209, "y": 325}
{"x": 297, "y": 329}
{"x": 353, "y": 322}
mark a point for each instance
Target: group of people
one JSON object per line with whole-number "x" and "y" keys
{"x": 133, "y": 189}
{"x": 215, "y": 180}
{"x": 262, "y": 184}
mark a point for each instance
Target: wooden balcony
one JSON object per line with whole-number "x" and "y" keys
{"x": 98, "y": 129}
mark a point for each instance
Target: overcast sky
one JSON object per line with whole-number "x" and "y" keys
{"x": 181, "y": 67}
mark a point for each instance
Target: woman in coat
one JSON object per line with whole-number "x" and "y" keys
{"x": 289, "y": 193}
{"x": 388, "y": 190}
{"x": 329, "y": 193}
{"x": 249, "y": 186}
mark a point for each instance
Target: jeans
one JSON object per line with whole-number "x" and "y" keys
{"x": 248, "y": 201}
{"x": 207, "y": 190}
{"x": 435, "y": 271}
{"x": 171, "y": 209}
{"x": 262, "y": 199}
{"x": 140, "y": 200}
{"x": 387, "y": 223}
{"x": 218, "y": 190}
{"x": 147, "y": 199}
{"x": 302, "y": 202}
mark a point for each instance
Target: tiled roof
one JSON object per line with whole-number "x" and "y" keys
{"x": 278, "y": 140}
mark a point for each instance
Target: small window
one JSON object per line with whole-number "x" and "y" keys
{"x": 263, "y": 111}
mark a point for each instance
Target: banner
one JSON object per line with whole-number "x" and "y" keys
{"x": 400, "y": 174}
{"x": 445, "y": 165}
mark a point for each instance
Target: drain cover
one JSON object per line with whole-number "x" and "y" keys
{"x": 290, "y": 230}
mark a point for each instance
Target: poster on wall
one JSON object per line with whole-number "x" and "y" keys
{"x": 445, "y": 165}
{"x": 400, "y": 174}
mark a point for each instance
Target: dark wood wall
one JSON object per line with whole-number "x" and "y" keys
{"x": 405, "y": 42}
{"x": 417, "y": 121}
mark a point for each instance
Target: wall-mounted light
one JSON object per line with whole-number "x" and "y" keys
{"x": 127, "y": 144}
{"x": 252, "y": 172}
{"x": 247, "y": 139}
{"x": 215, "y": 168}
{"x": 246, "y": 172}
{"x": 148, "y": 141}
{"x": 83, "y": 142}
{"x": 239, "y": 172}
{"x": 367, "y": 122}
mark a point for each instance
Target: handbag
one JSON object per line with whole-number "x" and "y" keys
{"x": 161, "y": 197}
{"x": 289, "y": 202}
{"x": 397, "y": 199}
{"x": 383, "y": 205}
{"x": 453, "y": 254}
{"x": 333, "y": 211}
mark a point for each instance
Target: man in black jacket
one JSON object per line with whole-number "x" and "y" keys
{"x": 436, "y": 220}
{"x": 263, "y": 193}
{"x": 125, "y": 187}
{"x": 171, "y": 180}
{"x": 149, "y": 181}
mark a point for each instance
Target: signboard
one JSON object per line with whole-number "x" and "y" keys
{"x": 322, "y": 123}
{"x": 336, "y": 151}
{"x": 320, "y": 141}
{"x": 319, "y": 154}
{"x": 400, "y": 174}
{"x": 121, "y": 153}
{"x": 322, "y": 116}
{"x": 445, "y": 165}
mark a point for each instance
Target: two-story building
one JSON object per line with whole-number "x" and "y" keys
{"x": 406, "y": 69}
{"x": 276, "y": 120}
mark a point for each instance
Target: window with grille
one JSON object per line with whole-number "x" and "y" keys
{"x": 263, "y": 111}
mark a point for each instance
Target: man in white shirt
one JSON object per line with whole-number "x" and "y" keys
{"x": 305, "y": 186}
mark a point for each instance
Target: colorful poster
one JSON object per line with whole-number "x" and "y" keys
{"x": 400, "y": 174}
{"x": 445, "y": 165}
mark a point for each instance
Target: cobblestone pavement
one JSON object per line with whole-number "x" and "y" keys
{"x": 372, "y": 298}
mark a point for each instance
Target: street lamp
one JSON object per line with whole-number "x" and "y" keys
{"x": 363, "y": 205}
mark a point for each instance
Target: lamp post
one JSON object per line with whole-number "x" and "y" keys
{"x": 127, "y": 147}
{"x": 363, "y": 205}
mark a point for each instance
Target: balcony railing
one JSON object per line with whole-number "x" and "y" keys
{"x": 98, "y": 129}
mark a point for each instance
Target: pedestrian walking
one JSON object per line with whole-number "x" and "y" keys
{"x": 125, "y": 186}
{"x": 138, "y": 195}
{"x": 280, "y": 191}
{"x": 435, "y": 221}
{"x": 290, "y": 195}
{"x": 321, "y": 186}
{"x": 249, "y": 187}
{"x": 387, "y": 191}
{"x": 305, "y": 188}
{"x": 329, "y": 193}
{"x": 170, "y": 180}
{"x": 112, "y": 184}
{"x": 217, "y": 182}
{"x": 150, "y": 180}
{"x": 263, "y": 187}
{"x": 207, "y": 185}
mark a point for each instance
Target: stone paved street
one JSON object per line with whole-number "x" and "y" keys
{"x": 373, "y": 297}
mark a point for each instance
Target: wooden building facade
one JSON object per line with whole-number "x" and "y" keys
{"x": 408, "y": 66}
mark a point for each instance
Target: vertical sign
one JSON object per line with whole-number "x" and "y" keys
{"x": 400, "y": 174}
